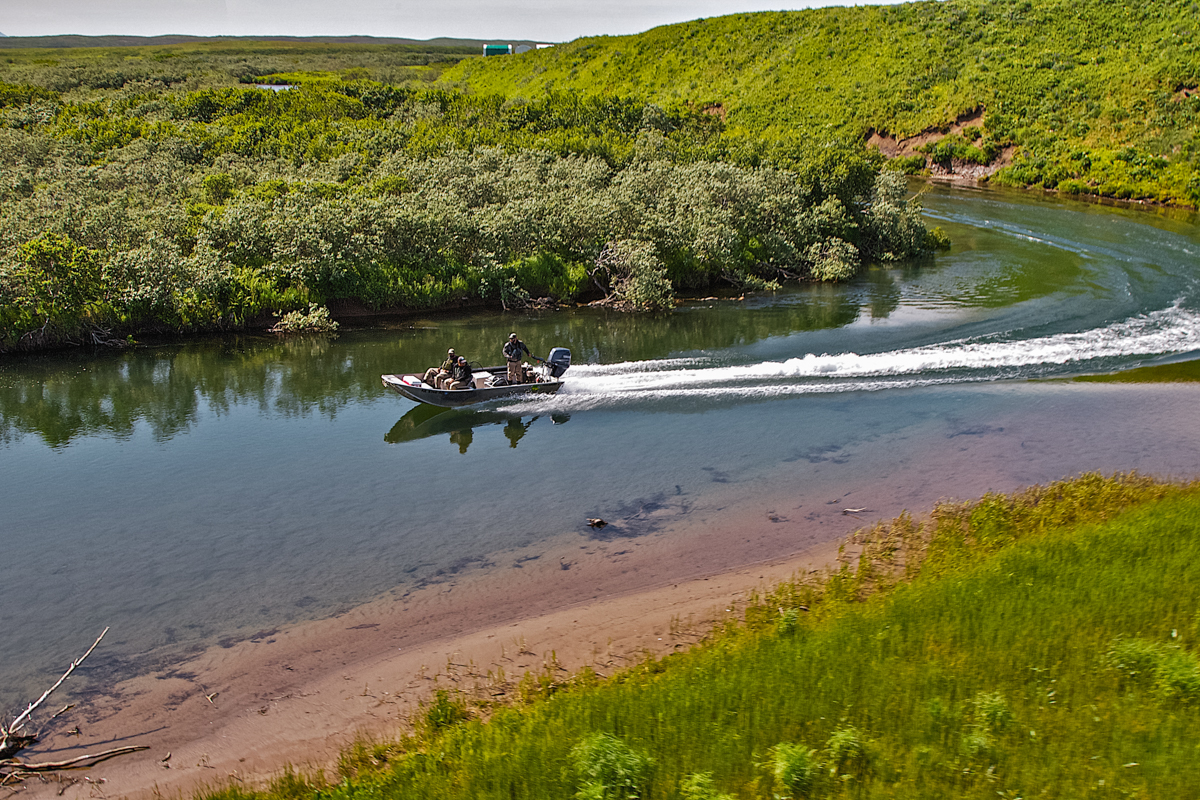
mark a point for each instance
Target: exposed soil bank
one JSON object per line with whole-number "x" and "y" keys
{"x": 959, "y": 171}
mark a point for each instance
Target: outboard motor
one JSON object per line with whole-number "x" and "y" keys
{"x": 559, "y": 360}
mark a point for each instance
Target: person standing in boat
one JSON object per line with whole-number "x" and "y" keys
{"x": 512, "y": 354}
{"x": 436, "y": 376}
{"x": 460, "y": 376}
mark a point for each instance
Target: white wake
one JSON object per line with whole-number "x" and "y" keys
{"x": 1171, "y": 330}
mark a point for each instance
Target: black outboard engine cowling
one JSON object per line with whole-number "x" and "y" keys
{"x": 559, "y": 360}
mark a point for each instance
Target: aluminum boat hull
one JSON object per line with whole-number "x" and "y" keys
{"x": 413, "y": 388}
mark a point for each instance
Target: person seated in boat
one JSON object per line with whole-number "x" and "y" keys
{"x": 460, "y": 376}
{"x": 436, "y": 376}
{"x": 512, "y": 354}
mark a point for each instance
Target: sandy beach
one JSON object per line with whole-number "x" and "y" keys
{"x": 297, "y": 697}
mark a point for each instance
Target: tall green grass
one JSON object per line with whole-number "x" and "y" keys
{"x": 1089, "y": 91}
{"x": 1040, "y": 645}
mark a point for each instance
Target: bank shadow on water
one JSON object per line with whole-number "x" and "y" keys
{"x": 424, "y": 421}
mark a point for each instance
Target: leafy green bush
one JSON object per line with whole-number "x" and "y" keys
{"x": 700, "y": 786}
{"x": 547, "y": 274}
{"x": 849, "y": 753}
{"x": 58, "y": 276}
{"x": 19, "y": 95}
{"x": 209, "y": 207}
{"x": 796, "y": 769}
{"x": 609, "y": 769}
{"x": 992, "y": 712}
{"x": 218, "y": 188}
{"x": 1172, "y": 672}
{"x": 639, "y": 280}
{"x": 315, "y": 320}
{"x": 833, "y": 259}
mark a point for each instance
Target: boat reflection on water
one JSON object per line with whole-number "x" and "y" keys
{"x": 423, "y": 421}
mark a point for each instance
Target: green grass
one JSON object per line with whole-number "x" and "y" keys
{"x": 1090, "y": 93}
{"x": 1042, "y": 644}
{"x": 1180, "y": 372}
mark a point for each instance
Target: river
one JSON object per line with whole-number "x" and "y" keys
{"x": 188, "y": 494}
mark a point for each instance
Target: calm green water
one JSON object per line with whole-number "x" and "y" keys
{"x": 190, "y": 493}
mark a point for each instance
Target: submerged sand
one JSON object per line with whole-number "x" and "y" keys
{"x": 298, "y": 697}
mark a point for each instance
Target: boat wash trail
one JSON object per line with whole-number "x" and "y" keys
{"x": 193, "y": 494}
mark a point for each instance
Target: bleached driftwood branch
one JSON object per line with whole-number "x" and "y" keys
{"x": 13, "y": 741}
{"x": 79, "y": 762}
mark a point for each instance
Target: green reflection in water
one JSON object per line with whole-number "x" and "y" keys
{"x": 62, "y": 397}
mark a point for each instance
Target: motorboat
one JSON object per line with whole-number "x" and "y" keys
{"x": 488, "y": 383}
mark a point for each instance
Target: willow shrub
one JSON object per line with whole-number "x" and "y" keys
{"x": 215, "y": 207}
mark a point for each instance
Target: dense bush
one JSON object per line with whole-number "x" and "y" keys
{"x": 154, "y": 207}
{"x": 609, "y": 769}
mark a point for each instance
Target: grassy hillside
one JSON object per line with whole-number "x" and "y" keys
{"x": 1096, "y": 96}
{"x": 1023, "y": 649}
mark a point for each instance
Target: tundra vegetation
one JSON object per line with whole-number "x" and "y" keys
{"x": 1087, "y": 97}
{"x": 152, "y": 188}
{"x": 160, "y": 192}
{"x": 1044, "y": 642}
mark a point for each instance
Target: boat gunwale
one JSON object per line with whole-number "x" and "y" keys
{"x": 456, "y": 398}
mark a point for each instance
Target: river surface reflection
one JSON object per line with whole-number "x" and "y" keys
{"x": 422, "y": 421}
{"x": 188, "y": 494}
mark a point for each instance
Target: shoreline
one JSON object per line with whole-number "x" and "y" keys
{"x": 295, "y": 699}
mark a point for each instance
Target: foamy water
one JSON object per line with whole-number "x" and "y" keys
{"x": 1007, "y": 355}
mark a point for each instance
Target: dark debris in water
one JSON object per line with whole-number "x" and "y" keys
{"x": 449, "y": 571}
{"x": 978, "y": 430}
{"x": 819, "y": 455}
{"x": 639, "y": 517}
{"x": 716, "y": 475}
{"x": 264, "y": 634}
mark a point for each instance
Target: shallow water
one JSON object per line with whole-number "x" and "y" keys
{"x": 191, "y": 493}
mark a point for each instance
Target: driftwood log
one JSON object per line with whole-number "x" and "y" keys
{"x": 14, "y": 738}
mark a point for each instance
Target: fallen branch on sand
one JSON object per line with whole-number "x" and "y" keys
{"x": 13, "y": 739}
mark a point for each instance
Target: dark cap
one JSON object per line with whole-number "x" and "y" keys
{"x": 462, "y": 360}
